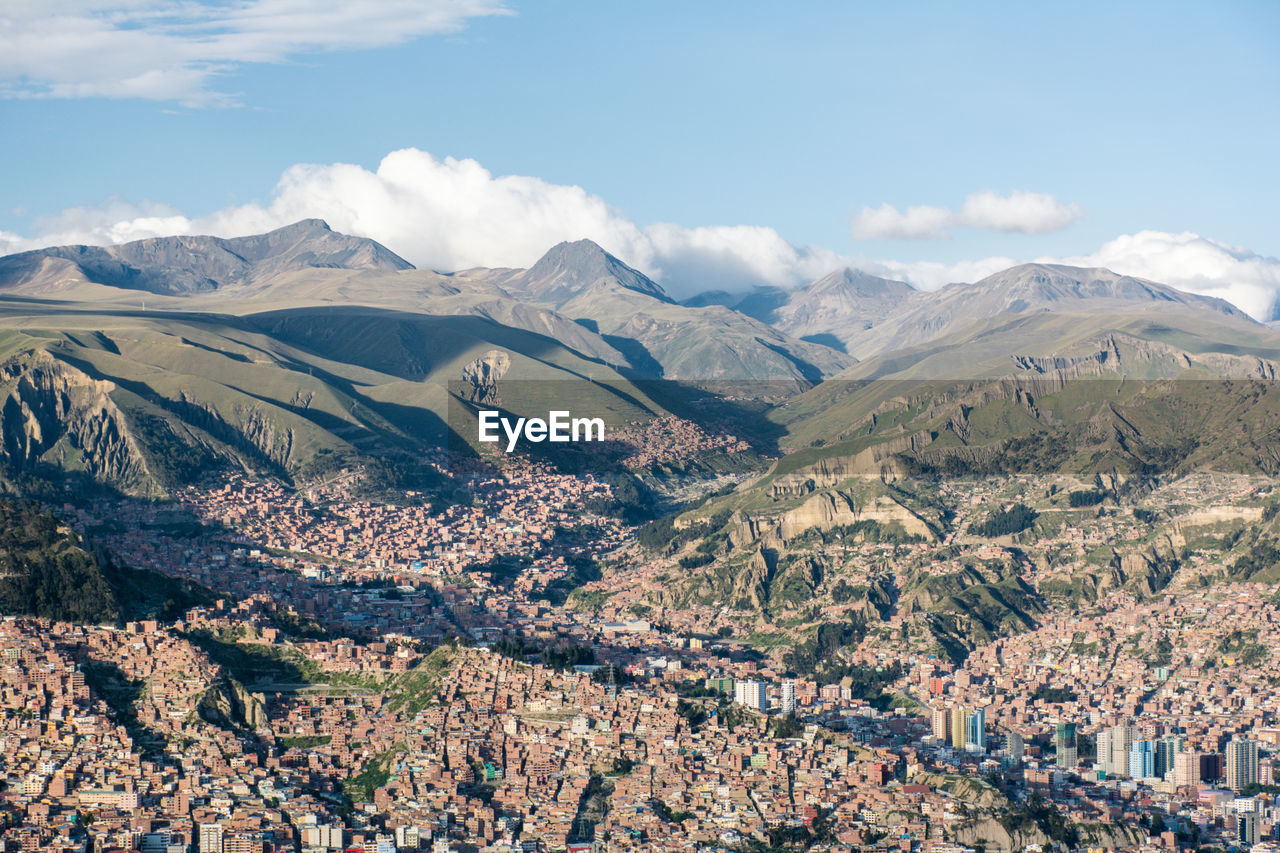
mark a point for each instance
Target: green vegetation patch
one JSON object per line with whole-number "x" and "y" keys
{"x": 45, "y": 571}
{"x": 1004, "y": 522}
{"x": 1086, "y": 497}
{"x": 373, "y": 776}
{"x": 412, "y": 691}
{"x": 304, "y": 741}
{"x": 1054, "y": 695}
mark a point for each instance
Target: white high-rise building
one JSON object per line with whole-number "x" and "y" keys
{"x": 1122, "y": 738}
{"x": 1242, "y": 763}
{"x": 752, "y": 694}
{"x": 407, "y": 836}
{"x": 941, "y": 724}
{"x": 1102, "y": 761}
{"x": 210, "y": 838}
{"x": 787, "y": 703}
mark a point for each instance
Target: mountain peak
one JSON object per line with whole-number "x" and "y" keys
{"x": 584, "y": 256}
{"x": 304, "y": 226}
{"x": 572, "y": 267}
{"x": 852, "y": 282}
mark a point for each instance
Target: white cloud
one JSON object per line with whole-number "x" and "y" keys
{"x": 731, "y": 257}
{"x": 443, "y": 214}
{"x": 1196, "y": 264}
{"x": 915, "y": 223}
{"x": 1022, "y": 212}
{"x": 115, "y": 220}
{"x": 450, "y": 214}
{"x": 176, "y": 49}
{"x": 11, "y": 242}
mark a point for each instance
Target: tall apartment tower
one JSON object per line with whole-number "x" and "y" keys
{"x": 976, "y": 734}
{"x": 752, "y": 694}
{"x": 1186, "y": 769}
{"x": 1103, "y": 753}
{"x": 1247, "y": 828}
{"x": 787, "y": 702}
{"x": 959, "y": 728}
{"x": 1242, "y": 763}
{"x": 1167, "y": 748}
{"x": 210, "y": 838}
{"x": 1142, "y": 759}
{"x": 1064, "y": 740}
{"x": 941, "y": 723}
{"x": 1014, "y": 747}
{"x": 1122, "y": 738}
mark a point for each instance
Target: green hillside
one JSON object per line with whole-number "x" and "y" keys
{"x": 46, "y": 571}
{"x": 1092, "y": 394}
{"x": 142, "y": 400}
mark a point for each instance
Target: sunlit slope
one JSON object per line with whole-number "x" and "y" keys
{"x": 660, "y": 337}
{"x": 1029, "y": 289}
{"x": 1095, "y": 388}
{"x": 143, "y": 400}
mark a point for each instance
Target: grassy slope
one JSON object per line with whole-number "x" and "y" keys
{"x": 1166, "y": 383}
{"x": 272, "y": 391}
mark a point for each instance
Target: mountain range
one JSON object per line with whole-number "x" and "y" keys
{"x": 188, "y": 265}
{"x": 137, "y": 363}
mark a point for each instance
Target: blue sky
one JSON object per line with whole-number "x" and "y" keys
{"x": 1067, "y": 126}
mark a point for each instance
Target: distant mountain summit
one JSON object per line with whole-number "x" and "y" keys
{"x": 659, "y": 336}
{"x": 1030, "y": 287}
{"x": 188, "y": 265}
{"x": 852, "y": 284}
{"x": 581, "y": 268}
{"x": 832, "y": 310}
{"x": 842, "y": 304}
{"x": 591, "y": 301}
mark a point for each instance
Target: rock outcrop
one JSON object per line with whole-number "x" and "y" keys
{"x": 482, "y": 376}
{"x": 53, "y": 413}
{"x": 834, "y": 509}
{"x": 230, "y": 703}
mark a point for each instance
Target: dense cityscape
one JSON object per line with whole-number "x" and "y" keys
{"x": 385, "y": 678}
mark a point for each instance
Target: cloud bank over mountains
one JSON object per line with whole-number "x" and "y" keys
{"x": 451, "y": 214}
{"x": 1197, "y": 264}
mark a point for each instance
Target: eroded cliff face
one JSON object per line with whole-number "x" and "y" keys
{"x": 992, "y": 835}
{"x": 55, "y": 414}
{"x": 825, "y": 511}
{"x": 483, "y": 375}
{"x": 831, "y": 509}
{"x": 230, "y": 703}
{"x": 56, "y": 418}
{"x": 1145, "y": 571}
{"x": 879, "y": 462}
